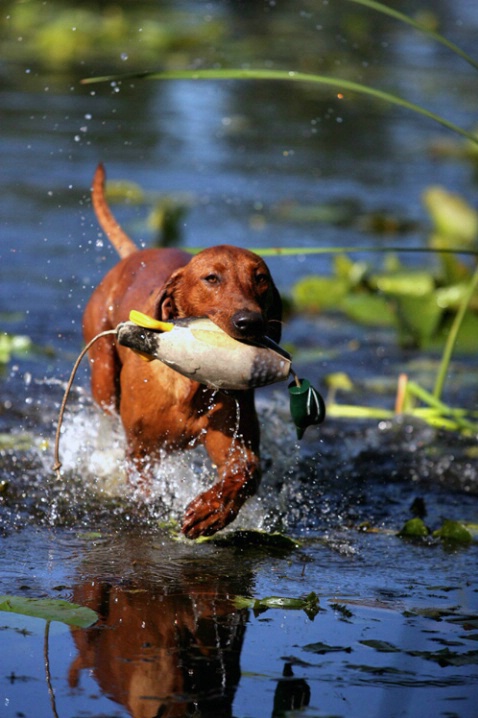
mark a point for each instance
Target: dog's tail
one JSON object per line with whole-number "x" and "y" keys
{"x": 119, "y": 239}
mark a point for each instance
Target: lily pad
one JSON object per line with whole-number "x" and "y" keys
{"x": 418, "y": 317}
{"x": 453, "y": 531}
{"x": 467, "y": 339}
{"x": 414, "y": 528}
{"x": 50, "y": 610}
{"x": 252, "y": 539}
{"x": 452, "y": 216}
{"x": 322, "y": 648}
{"x": 314, "y": 293}
{"x": 13, "y": 344}
{"x": 381, "y": 646}
{"x": 309, "y": 604}
{"x": 403, "y": 283}
{"x": 369, "y": 309}
{"x": 445, "y": 657}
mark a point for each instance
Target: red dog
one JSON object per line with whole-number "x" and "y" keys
{"x": 160, "y": 408}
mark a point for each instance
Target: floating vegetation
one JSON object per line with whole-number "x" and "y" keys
{"x": 321, "y": 649}
{"x": 309, "y": 604}
{"x": 255, "y": 539}
{"x": 13, "y": 345}
{"x": 419, "y": 303}
{"x": 444, "y": 656}
{"x": 61, "y": 36}
{"x": 414, "y": 528}
{"x": 453, "y": 532}
{"x": 50, "y": 609}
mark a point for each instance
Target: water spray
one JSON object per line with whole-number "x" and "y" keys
{"x": 201, "y": 351}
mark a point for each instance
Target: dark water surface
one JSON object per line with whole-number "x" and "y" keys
{"x": 396, "y": 633}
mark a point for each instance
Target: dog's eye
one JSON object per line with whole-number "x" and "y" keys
{"x": 212, "y": 279}
{"x": 262, "y": 278}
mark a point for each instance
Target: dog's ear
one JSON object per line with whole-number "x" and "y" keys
{"x": 166, "y": 303}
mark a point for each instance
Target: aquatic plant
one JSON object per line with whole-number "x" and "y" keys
{"x": 13, "y": 344}
{"x": 50, "y": 609}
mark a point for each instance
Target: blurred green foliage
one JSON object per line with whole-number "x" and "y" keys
{"x": 13, "y": 345}
{"x": 419, "y": 303}
{"x": 60, "y": 35}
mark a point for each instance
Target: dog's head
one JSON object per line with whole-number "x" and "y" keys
{"x": 233, "y": 287}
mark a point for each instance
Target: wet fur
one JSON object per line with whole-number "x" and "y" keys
{"x": 159, "y": 408}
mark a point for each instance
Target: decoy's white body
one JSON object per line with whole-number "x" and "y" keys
{"x": 201, "y": 351}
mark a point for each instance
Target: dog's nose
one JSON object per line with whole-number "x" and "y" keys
{"x": 249, "y": 324}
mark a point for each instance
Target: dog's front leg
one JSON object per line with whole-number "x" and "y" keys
{"x": 215, "y": 508}
{"x": 235, "y": 452}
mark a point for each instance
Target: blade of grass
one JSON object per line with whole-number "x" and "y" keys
{"x": 450, "y": 420}
{"x": 440, "y": 422}
{"x": 352, "y": 411}
{"x": 385, "y": 10}
{"x": 437, "y": 406}
{"x": 288, "y": 76}
{"x": 427, "y": 398}
{"x": 452, "y": 337}
{"x": 294, "y": 251}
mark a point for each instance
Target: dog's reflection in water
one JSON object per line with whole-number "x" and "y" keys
{"x": 162, "y": 651}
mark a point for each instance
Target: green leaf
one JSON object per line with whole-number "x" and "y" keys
{"x": 314, "y": 293}
{"x": 339, "y": 381}
{"x": 13, "y": 344}
{"x": 341, "y": 608}
{"x": 453, "y": 531}
{"x": 451, "y": 296}
{"x": 125, "y": 191}
{"x": 321, "y": 648}
{"x": 409, "y": 284}
{"x": 444, "y": 657}
{"x": 252, "y": 539}
{"x": 418, "y": 317}
{"x": 369, "y": 309}
{"x": 315, "y": 213}
{"x": 452, "y": 216}
{"x": 413, "y": 528}
{"x": 381, "y": 646}
{"x": 309, "y": 604}
{"x": 467, "y": 339}
{"x": 353, "y": 272}
{"x": 49, "y": 609}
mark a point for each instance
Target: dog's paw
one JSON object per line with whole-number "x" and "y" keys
{"x": 209, "y": 512}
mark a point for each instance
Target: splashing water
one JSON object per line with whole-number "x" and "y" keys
{"x": 340, "y": 475}
{"x": 94, "y": 470}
